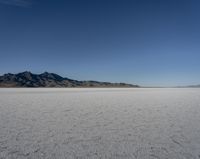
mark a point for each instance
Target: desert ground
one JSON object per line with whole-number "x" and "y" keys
{"x": 100, "y": 123}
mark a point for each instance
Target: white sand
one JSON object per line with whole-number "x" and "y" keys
{"x": 100, "y": 123}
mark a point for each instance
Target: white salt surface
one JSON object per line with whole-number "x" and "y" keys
{"x": 100, "y": 123}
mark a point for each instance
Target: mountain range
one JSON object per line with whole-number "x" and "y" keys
{"x": 28, "y": 79}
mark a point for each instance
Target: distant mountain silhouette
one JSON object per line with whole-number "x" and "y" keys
{"x": 194, "y": 86}
{"x": 28, "y": 79}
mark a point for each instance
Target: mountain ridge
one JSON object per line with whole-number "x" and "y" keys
{"x": 46, "y": 79}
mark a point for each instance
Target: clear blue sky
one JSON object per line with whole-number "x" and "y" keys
{"x": 147, "y": 42}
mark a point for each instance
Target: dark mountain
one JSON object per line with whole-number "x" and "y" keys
{"x": 28, "y": 79}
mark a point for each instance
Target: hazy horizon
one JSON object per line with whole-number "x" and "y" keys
{"x": 149, "y": 43}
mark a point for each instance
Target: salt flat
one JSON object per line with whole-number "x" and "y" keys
{"x": 80, "y": 123}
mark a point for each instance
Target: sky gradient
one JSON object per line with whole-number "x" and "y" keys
{"x": 145, "y": 42}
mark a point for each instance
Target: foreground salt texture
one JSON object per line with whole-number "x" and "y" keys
{"x": 100, "y": 123}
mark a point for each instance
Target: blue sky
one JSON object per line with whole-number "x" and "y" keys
{"x": 147, "y": 42}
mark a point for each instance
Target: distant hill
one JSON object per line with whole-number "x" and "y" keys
{"x": 28, "y": 79}
{"x": 189, "y": 86}
{"x": 194, "y": 86}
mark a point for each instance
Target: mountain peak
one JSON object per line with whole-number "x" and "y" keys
{"x": 25, "y": 72}
{"x": 45, "y": 73}
{"x": 51, "y": 76}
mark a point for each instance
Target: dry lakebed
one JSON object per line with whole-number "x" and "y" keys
{"x": 100, "y": 123}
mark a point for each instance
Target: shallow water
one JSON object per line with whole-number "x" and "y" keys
{"x": 84, "y": 123}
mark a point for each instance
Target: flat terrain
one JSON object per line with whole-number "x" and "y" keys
{"x": 131, "y": 123}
